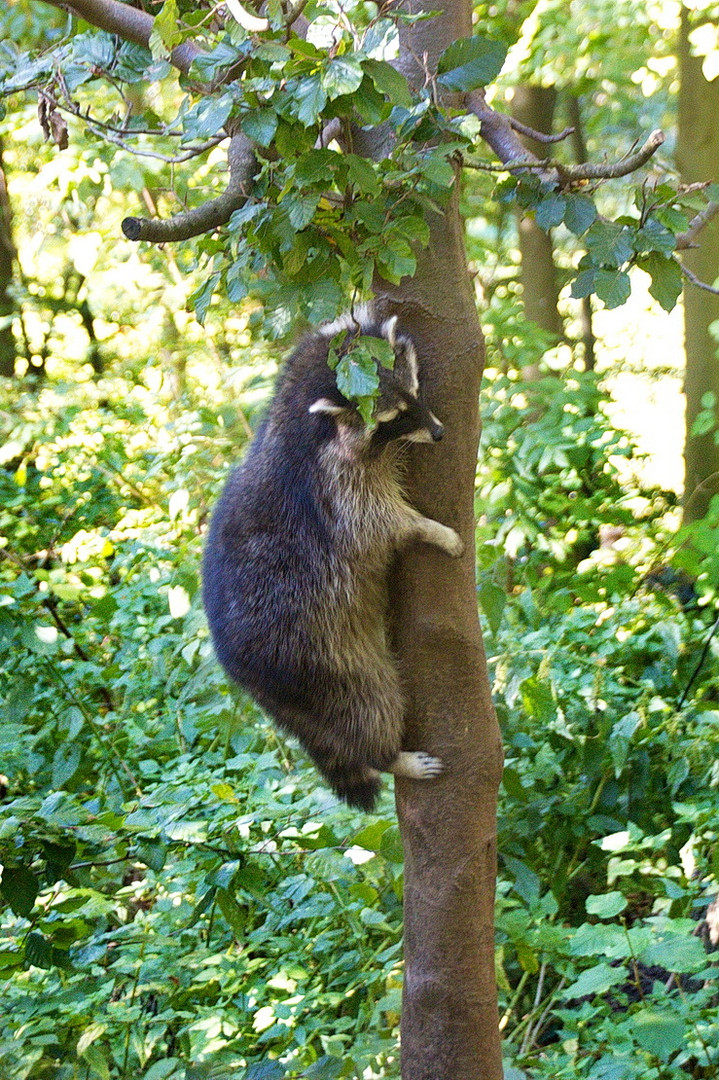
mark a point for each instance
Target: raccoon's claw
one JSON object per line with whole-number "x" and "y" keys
{"x": 416, "y": 765}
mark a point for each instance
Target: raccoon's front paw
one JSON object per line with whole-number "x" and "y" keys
{"x": 454, "y": 544}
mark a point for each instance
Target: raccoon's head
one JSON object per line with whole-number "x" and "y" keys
{"x": 398, "y": 411}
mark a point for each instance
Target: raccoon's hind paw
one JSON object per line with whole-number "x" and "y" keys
{"x": 416, "y": 765}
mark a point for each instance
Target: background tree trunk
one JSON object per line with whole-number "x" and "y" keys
{"x": 698, "y": 159}
{"x": 7, "y": 259}
{"x": 449, "y": 1010}
{"x": 534, "y": 106}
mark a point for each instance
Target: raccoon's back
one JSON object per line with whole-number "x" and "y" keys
{"x": 266, "y": 559}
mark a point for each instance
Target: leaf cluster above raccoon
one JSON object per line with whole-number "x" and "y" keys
{"x": 297, "y": 558}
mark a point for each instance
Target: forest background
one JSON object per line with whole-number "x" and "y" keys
{"x": 180, "y": 897}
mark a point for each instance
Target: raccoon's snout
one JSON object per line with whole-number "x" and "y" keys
{"x": 436, "y": 429}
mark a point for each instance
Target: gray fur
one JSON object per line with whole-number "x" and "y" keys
{"x": 297, "y": 558}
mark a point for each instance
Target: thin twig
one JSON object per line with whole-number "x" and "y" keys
{"x": 628, "y": 164}
{"x": 539, "y": 136}
{"x": 498, "y": 131}
{"x": 115, "y": 136}
{"x": 686, "y": 239}
{"x": 699, "y": 666}
{"x": 691, "y": 276}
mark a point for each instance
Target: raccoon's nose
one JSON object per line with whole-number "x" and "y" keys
{"x": 436, "y": 429}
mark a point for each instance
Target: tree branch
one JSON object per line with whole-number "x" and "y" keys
{"x": 134, "y": 25}
{"x": 539, "y": 136}
{"x": 628, "y": 164}
{"x": 243, "y": 166}
{"x": 690, "y": 276}
{"x": 128, "y": 23}
{"x": 500, "y": 133}
{"x": 497, "y": 131}
{"x": 686, "y": 239}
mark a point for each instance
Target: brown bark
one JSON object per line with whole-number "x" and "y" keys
{"x": 698, "y": 159}
{"x": 7, "y": 261}
{"x": 534, "y": 107}
{"x": 449, "y": 1010}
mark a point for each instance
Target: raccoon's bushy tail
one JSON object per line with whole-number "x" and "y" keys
{"x": 358, "y": 791}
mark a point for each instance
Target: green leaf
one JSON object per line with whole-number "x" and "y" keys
{"x": 579, "y": 213}
{"x": 152, "y": 853}
{"x": 512, "y": 784}
{"x": 620, "y": 740}
{"x": 301, "y": 210}
{"x": 396, "y": 260}
{"x": 97, "y": 1061}
{"x": 89, "y": 1035}
{"x": 653, "y": 236}
{"x": 165, "y": 32}
{"x": 605, "y": 905}
{"x": 202, "y": 905}
{"x": 361, "y": 174}
{"x": 370, "y": 837}
{"x": 38, "y": 950}
{"x": 681, "y": 954}
{"x": 660, "y": 1032}
{"x": 200, "y": 298}
{"x": 583, "y": 284}
{"x": 470, "y": 62}
{"x": 550, "y": 211}
{"x": 599, "y": 939}
{"x": 667, "y": 281}
{"x": 266, "y": 1070}
{"x": 20, "y": 888}
{"x": 65, "y": 764}
{"x": 342, "y": 75}
{"x": 325, "y": 1068}
{"x": 370, "y": 105}
{"x": 493, "y": 600}
{"x": 235, "y": 916}
{"x": 389, "y": 82}
{"x": 358, "y": 380}
{"x": 613, "y": 287}
{"x": 316, "y": 166}
{"x": 162, "y": 1069}
{"x": 391, "y": 845}
{"x": 260, "y": 125}
{"x": 437, "y": 169}
{"x": 309, "y": 99}
{"x": 526, "y": 882}
{"x": 207, "y": 117}
{"x": 209, "y": 66}
{"x": 609, "y": 244}
{"x": 595, "y": 980}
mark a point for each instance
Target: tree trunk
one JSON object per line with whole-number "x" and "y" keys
{"x": 534, "y": 107}
{"x": 449, "y": 1011}
{"x": 698, "y": 159}
{"x": 7, "y": 259}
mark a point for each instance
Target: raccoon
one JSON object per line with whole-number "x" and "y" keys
{"x": 298, "y": 554}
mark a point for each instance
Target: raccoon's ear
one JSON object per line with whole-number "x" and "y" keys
{"x": 389, "y": 330}
{"x": 324, "y": 405}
